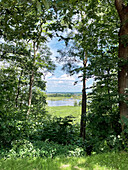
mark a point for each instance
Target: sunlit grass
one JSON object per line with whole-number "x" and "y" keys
{"x": 106, "y": 161}
{"x": 62, "y": 111}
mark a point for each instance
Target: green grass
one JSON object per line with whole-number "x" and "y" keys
{"x": 106, "y": 161}
{"x": 62, "y": 111}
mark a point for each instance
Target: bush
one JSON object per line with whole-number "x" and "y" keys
{"x": 16, "y": 127}
{"x": 80, "y": 103}
{"x": 24, "y": 148}
{"x": 75, "y": 103}
{"x": 59, "y": 130}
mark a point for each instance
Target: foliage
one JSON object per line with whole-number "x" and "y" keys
{"x": 24, "y": 148}
{"x": 15, "y": 125}
{"x": 38, "y": 127}
{"x": 97, "y": 138}
{"x": 103, "y": 113}
{"x": 75, "y": 103}
{"x": 16, "y": 70}
{"x": 60, "y": 95}
{"x": 60, "y": 130}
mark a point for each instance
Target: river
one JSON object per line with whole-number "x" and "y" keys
{"x": 68, "y": 102}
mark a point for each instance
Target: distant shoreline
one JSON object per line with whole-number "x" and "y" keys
{"x": 64, "y": 92}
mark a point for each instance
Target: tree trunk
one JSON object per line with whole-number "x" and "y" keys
{"x": 123, "y": 58}
{"x": 31, "y": 80}
{"x": 83, "y": 114}
{"x": 18, "y": 91}
{"x": 30, "y": 88}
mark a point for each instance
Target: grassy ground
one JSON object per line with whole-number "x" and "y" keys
{"x": 106, "y": 161}
{"x": 62, "y": 111}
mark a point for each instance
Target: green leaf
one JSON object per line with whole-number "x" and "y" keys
{"x": 46, "y": 4}
{"x": 39, "y": 6}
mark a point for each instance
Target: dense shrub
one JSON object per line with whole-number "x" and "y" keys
{"x": 60, "y": 130}
{"x": 17, "y": 125}
{"x": 24, "y": 148}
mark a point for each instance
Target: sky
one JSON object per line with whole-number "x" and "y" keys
{"x": 59, "y": 81}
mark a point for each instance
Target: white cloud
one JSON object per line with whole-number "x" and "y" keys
{"x": 62, "y": 83}
{"x": 63, "y": 77}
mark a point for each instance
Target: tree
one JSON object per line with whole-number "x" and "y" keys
{"x": 103, "y": 111}
{"x": 16, "y": 70}
{"x": 72, "y": 56}
{"x": 122, "y": 10}
{"x": 100, "y": 43}
{"x": 26, "y": 22}
{"x": 28, "y": 67}
{"x": 84, "y": 101}
{"x": 91, "y": 33}
{"x": 19, "y": 18}
{"x": 41, "y": 63}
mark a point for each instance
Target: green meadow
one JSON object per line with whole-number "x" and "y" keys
{"x": 63, "y": 111}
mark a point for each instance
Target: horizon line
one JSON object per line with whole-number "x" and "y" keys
{"x": 63, "y": 92}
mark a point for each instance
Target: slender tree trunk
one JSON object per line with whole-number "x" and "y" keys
{"x": 84, "y": 101}
{"x": 30, "y": 88}
{"x": 18, "y": 91}
{"x": 108, "y": 89}
{"x": 31, "y": 80}
{"x": 123, "y": 55}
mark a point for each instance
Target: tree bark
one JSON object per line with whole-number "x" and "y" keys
{"x": 84, "y": 101}
{"x": 123, "y": 55}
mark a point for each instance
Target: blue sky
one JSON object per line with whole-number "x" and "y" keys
{"x": 59, "y": 81}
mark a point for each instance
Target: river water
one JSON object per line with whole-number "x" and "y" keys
{"x": 68, "y": 102}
